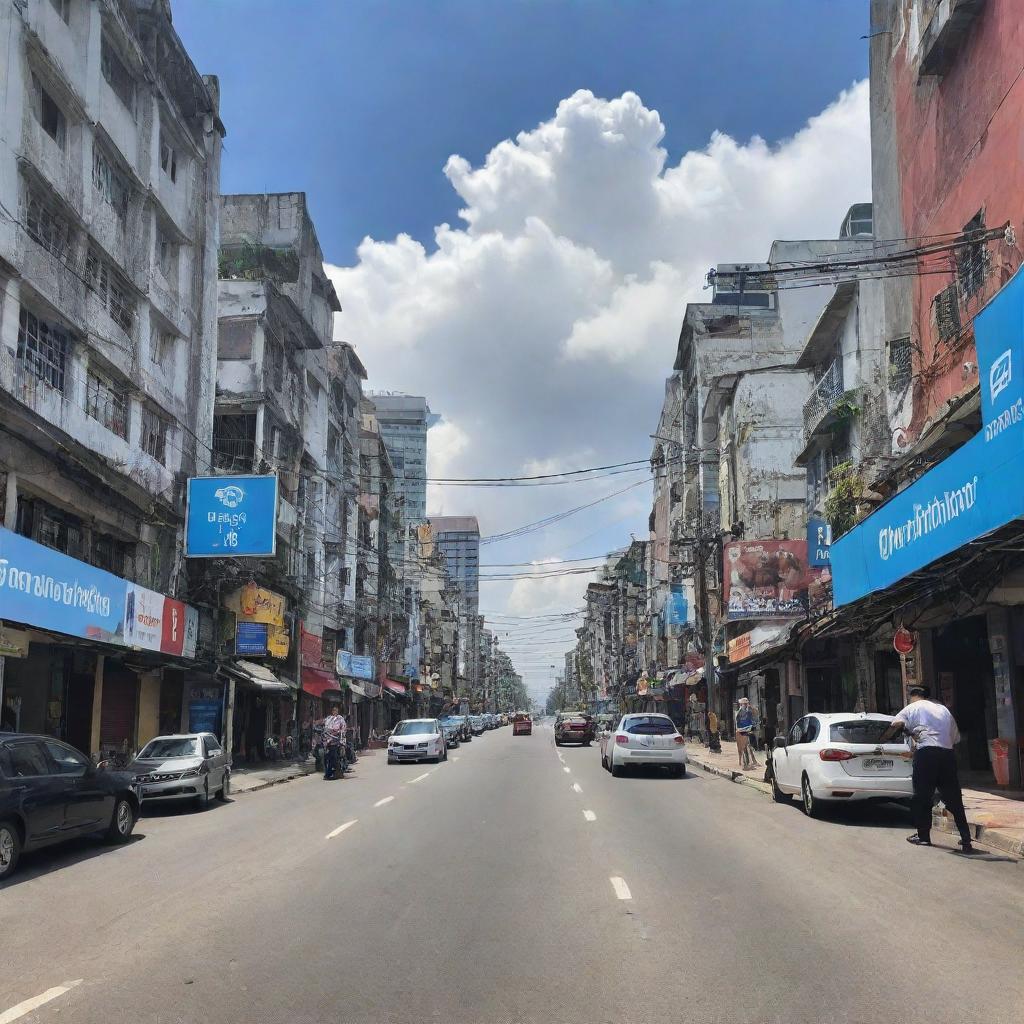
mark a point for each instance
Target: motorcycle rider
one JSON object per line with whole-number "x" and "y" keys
{"x": 334, "y": 727}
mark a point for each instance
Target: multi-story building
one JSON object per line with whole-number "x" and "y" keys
{"x": 404, "y": 421}
{"x": 109, "y": 176}
{"x": 458, "y": 540}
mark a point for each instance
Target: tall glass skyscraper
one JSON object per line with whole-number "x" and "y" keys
{"x": 403, "y": 422}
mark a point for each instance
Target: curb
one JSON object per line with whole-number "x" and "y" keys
{"x": 993, "y": 837}
{"x": 731, "y": 776}
{"x": 273, "y": 782}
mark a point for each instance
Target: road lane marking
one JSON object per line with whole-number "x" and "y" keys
{"x": 330, "y": 835}
{"x": 455, "y": 757}
{"x": 419, "y": 778}
{"x": 566, "y": 769}
{"x": 19, "y": 1011}
{"x": 590, "y": 815}
{"x": 386, "y": 800}
{"x": 577, "y": 787}
{"x": 620, "y": 887}
{"x": 561, "y": 758}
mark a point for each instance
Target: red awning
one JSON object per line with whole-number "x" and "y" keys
{"x": 318, "y": 681}
{"x": 395, "y": 687}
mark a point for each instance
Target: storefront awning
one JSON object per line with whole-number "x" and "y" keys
{"x": 357, "y": 690}
{"x": 318, "y": 681}
{"x": 259, "y": 677}
{"x": 757, "y": 644}
{"x": 398, "y": 689}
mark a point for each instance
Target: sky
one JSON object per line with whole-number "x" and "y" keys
{"x": 515, "y": 202}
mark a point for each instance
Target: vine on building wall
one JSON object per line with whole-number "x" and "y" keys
{"x": 846, "y": 489}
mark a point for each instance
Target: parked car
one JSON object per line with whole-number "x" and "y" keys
{"x": 465, "y": 731}
{"x": 522, "y": 725}
{"x": 643, "y": 739}
{"x": 50, "y": 792}
{"x": 452, "y": 732}
{"x": 574, "y": 727}
{"x": 476, "y": 725}
{"x": 836, "y": 758}
{"x": 417, "y": 739}
{"x": 186, "y": 766}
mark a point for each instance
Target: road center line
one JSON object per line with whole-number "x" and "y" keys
{"x": 419, "y": 778}
{"x": 386, "y": 800}
{"x": 590, "y": 815}
{"x": 19, "y": 1011}
{"x": 577, "y": 787}
{"x": 330, "y": 835}
{"x": 566, "y": 769}
{"x": 620, "y": 887}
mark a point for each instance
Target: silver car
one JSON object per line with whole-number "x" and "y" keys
{"x": 187, "y": 766}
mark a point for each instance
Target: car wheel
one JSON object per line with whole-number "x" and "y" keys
{"x": 680, "y": 771}
{"x": 225, "y": 787}
{"x": 616, "y": 769}
{"x": 122, "y": 821}
{"x": 586, "y": 743}
{"x": 777, "y": 795}
{"x": 558, "y": 742}
{"x": 810, "y": 803}
{"x": 10, "y": 848}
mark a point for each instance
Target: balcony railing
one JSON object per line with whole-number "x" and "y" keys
{"x": 824, "y": 398}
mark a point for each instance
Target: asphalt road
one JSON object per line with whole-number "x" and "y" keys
{"x": 512, "y": 885}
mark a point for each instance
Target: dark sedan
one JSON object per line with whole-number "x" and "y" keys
{"x": 49, "y": 792}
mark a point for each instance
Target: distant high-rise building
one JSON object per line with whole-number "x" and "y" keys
{"x": 458, "y": 540}
{"x": 403, "y": 422}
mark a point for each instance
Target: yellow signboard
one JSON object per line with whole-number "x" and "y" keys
{"x": 254, "y": 604}
{"x": 277, "y": 642}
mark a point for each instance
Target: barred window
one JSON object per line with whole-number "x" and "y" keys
{"x": 154, "y": 435}
{"x": 45, "y": 225}
{"x": 48, "y": 113}
{"x": 900, "y": 363}
{"x": 43, "y": 349}
{"x": 46, "y": 524}
{"x": 946, "y": 307}
{"x": 113, "y": 290}
{"x": 111, "y": 184}
{"x": 972, "y": 260}
{"x": 116, "y": 74}
{"x": 107, "y": 403}
{"x": 111, "y": 554}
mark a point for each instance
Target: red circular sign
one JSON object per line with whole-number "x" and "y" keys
{"x": 903, "y": 640}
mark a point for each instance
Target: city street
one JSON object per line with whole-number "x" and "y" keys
{"x": 517, "y": 882}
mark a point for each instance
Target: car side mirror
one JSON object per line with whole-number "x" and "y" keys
{"x": 779, "y": 742}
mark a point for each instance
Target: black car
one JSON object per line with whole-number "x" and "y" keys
{"x": 50, "y": 792}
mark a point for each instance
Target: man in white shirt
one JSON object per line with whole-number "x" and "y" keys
{"x": 933, "y": 730}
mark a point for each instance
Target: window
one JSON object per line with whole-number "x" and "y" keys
{"x": 113, "y": 290}
{"x": 111, "y": 184}
{"x": 212, "y": 746}
{"x": 275, "y": 363}
{"x": 900, "y": 363}
{"x": 47, "y": 525}
{"x": 46, "y": 225}
{"x": 154, "y": 435}
{"x": 796, "y": 733}
{"x": 111, "y": 554}
{"x": 161, "y": 346}
{"x": 168, "y": 158}
{"x": 972, "y": 260}
{"x": 63, "y": 9}
{"x": 116, "y": 74}
{"x": 48, "y": 112}
{"x": 167, "y": 257}
{"x": 946, "y": 308}
{"x": 107, "y": 403}
{"x": 865, "y": 730}
{"x": 310, "y": 567}
{"x": 25, "y": 760}
{"x": 42, "y": 349}
{"x": 68, "y": 760}
{"x": 234, "y": 442}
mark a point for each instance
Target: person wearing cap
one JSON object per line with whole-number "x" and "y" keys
{"x": 933, "y": 731}
{"x": 745, "y": 724}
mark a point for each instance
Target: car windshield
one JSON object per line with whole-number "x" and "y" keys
{"x": 171, "y": 746}
{"x": 864, "y": 730}
{"x": 648, "y": 725}
{"x": 410, "y": 728}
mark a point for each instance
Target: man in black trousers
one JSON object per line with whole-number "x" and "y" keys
{"x": 934, "y": 733}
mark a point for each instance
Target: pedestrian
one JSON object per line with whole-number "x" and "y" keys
{"x": 745, "y": 725}
{"x": 334, "y": 739}
{"x": 933, "y": 732}
{"x": 713, "y": 742}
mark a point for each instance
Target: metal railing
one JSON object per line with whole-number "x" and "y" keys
{"x": 824, "y": 398}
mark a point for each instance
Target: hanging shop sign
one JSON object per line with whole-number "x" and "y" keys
{"x": 974, "y": 491}
{"x": 255, "y": 604}
{"x": 678, "y": 609}
{"x": 311, "y": 647}
{"x": 44, "y": 588}
{"x": 278, "y": 642}
{"x": 231, "y": 517}
{"x": 819, "y": 543}
{"x": 766, "y": 579}
{"x": 358, "y": 666}
{"x": 903, "y": 641}
{"x": 251, "y": 638}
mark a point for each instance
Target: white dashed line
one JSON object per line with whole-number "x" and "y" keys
{"x": 19, "y": 1011}
{"x": 566, "y": 769}
{"x": 419, "y": 778}
{"x": 330, "y": 835}
{"x": 620, "y": 887}
{"x": 590, "y": 815}
{"x": 562, "y": 759}
{"x": 386, "y": 800}
{"x": 577, "y": 787}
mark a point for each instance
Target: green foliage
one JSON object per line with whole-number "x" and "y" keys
{"x": 248, "y": 262}
{"x": 847, "y": 408}
{"x": 846, "y": 488}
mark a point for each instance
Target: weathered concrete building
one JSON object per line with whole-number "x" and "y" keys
{"x": 109, "y": 179}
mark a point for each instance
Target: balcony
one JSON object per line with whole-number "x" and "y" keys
{"x": 824, "y": 400}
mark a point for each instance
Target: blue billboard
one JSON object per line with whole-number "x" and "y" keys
{"x": 977, "y": 489}
{"x": 819, "y": 542}
{"x": 42, "y": 587}
{"x": 231, "y": 517}
{"x": 251, "y": 638}
{"x": 677, "y": 608}
{"x": 357, "y": 666}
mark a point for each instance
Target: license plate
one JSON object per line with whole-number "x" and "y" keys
{"x": 878, "y": 764}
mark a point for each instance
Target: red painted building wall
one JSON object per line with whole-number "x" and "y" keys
{"x": 960, "y": 146}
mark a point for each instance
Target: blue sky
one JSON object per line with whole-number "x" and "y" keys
{"x": 360, "y": 103}
{"x": 543, "y": 331}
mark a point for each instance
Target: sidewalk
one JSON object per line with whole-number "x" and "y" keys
{"x": 996, "y": 818}
{"x": 249, "y": 779}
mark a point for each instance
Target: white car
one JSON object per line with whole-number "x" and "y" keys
{"x": 417, "y": 739}
{"x": 836, "y": 758}
{"x": 643, "y": 739}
